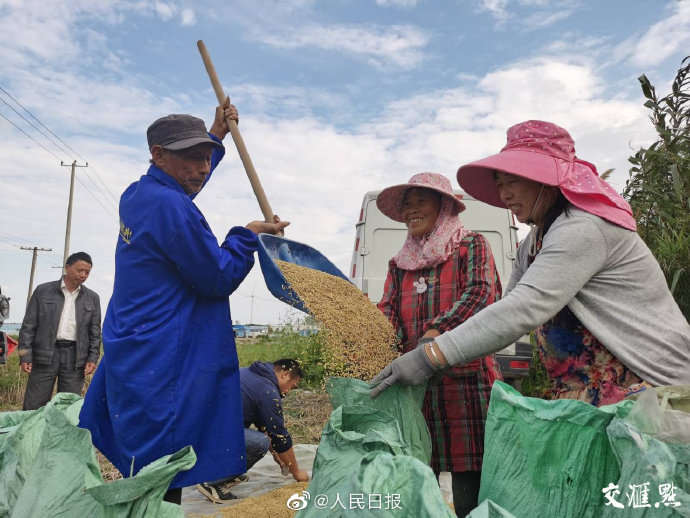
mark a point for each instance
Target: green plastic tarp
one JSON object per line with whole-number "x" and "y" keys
{"x": 489, "y": 509}
{"x": 48, "y": 467}
{"x": 556, "y": 458}
{"x": 652, "y": 447}
{"x": 373, "y": 458}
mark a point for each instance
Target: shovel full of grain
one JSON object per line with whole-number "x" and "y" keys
{"x": 271, "y": 248}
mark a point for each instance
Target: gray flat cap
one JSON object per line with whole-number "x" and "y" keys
{"x": 178, "y": 131}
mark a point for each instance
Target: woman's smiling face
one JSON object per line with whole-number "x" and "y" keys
{"x": 420, "y": 208}
{"x": 518, "y": 194}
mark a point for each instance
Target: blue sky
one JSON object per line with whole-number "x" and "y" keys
{"x": 336, "y": 98}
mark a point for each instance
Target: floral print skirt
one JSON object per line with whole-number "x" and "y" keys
{"x": 579, "y": 366}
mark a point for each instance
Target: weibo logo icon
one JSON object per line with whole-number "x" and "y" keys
{"x": 298, "y": 501}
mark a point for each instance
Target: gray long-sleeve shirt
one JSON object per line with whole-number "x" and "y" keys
{"x": 611, "y": 282}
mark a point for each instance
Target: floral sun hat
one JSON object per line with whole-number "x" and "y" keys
{"x": 389, "y": 201}
{"x": 545, "y": 153}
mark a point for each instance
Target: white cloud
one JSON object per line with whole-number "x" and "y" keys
{"x": 400, "y": 45}
{"x": 314, "y": 172}
{"x": 164, "y": 10}
{"x": 36, "y": 32}
{"x": 544, "y": 19}
{"x": 397, "y": 3}
{"x": 663, "y": 38}
{"x": 546, "y": 12}
{"x": 285, "y": 99}
{"x": 442, "y": 129}
{"x": 188, "y": 17}
{"x": 497, "y": 8}
{"x": 574, "y": 43}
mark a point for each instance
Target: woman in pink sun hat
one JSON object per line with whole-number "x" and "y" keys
{"x": 606, "y": 323}
{"x": 442, "y": 275}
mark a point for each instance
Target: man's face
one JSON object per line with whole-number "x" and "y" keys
{"x": 189, "y": 167}
{"x": 77, "y": 272}
{"x": 286, "y": 382}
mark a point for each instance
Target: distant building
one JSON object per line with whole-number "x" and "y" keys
{"x": 250, "y": 330}
{"x": 256, "y": 330}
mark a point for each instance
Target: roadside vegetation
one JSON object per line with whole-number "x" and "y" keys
{"x": 659, "y": 186}
{"x": 306, "y": 408}
{"x": 12, "y": 384}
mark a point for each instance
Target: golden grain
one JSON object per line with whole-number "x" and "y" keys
{"x": 268, "y": 505}
{"x": 359, "y": 340}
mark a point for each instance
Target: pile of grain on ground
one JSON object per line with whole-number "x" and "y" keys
{"x": 108, "y": 471}
{"x": 359, "y": 340}
{"x": 306, "y": 412}
{"x": 269, "y": 505}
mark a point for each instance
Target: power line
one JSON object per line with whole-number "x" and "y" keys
{"x": 29, "y": 136}
{"x": 58, "y": 158}
{"x": 69, "y": 205}
{"x": 4, "y": 236}
{"x": 35, "y": 251}
{"x": 61, "y": 148}
{"x": 41, "y": 123}
{"x": 107, "y": 189}
{"x": 253, "y": 297}
{"x": 33, "y": 125}
{"x": 109, "y": 211}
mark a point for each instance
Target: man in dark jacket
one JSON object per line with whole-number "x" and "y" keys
{"x": 263, "y": 385}
{"x": 60, "y": 336}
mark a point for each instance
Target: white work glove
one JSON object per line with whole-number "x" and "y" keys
{"x": 412, "y": 368}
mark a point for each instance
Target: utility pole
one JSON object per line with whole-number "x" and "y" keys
{"x": 73, "y": 165}
{"x": 33, "y": 267}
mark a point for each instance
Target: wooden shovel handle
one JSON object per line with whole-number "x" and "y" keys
{"x": 236, "y": 137}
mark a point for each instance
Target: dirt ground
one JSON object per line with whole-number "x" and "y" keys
{"x": 306, "y": 413}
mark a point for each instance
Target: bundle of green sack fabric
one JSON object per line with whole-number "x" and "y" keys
{"x": 373, "y": 458}
{"x": 570, "y": 459}
{"x": 48, "y": 467}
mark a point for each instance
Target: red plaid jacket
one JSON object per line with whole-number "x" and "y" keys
{"x": 456, "y": 400}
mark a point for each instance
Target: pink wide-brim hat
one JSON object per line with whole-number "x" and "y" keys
{"x": 389, "y": 200}
{"x": 545, "y": 153}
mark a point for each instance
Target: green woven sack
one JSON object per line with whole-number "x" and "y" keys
{"x": 547, "y": 458}
{"x": 373, "y": 457}
{"x": 48, "y": 467}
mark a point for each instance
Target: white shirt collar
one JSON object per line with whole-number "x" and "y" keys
{"x": 63, "y": 286}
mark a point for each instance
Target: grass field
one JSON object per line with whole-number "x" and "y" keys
{"x": 12, "y": 384}
{"x": 306, "y": 408}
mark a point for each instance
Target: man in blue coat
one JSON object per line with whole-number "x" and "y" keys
{"x": 169, "y": 376}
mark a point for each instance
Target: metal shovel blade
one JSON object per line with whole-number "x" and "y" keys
{"x": 278, "y": 248}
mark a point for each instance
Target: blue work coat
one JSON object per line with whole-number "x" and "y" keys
{"x": 262, "y": 403}
{"x": 169, "y": 376}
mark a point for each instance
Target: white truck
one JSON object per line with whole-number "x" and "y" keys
{"x": 378, "y": 238}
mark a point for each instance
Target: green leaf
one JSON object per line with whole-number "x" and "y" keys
{"x": 647, "y": 87}
{"x": 677, "y": 182}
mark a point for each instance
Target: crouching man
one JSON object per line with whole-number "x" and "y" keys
{"x": 263, "y": 385}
